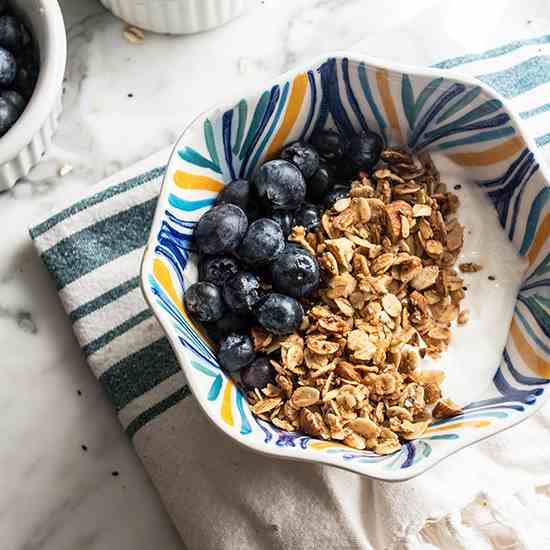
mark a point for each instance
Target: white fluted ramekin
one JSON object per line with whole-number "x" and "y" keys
{"x": 176, "y": 16}
{"x": 24, "y": 145}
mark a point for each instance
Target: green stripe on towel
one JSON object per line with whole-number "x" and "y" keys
{"x": 104, "y": 299}
{"x": 139, "y": 372}
{"x": 86, "y": 250}
{"x": 157, "y": 410}
{"x": 104, "y": 339}
{"x": 96, "y": 199}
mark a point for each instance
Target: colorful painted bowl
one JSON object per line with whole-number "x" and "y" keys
{"x": 423, "y": 109}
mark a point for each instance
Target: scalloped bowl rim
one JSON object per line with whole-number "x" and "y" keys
{"x": 290, "y": 453}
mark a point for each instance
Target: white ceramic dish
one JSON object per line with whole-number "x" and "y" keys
{"x": 25, "y": 143}
{"x": 422, "y": 109}
{"x": 176, "y": 16}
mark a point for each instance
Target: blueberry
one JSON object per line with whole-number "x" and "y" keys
{"x": 253, "y": 211}
{"x": 320, "y": 183}
{"x": 230, "y": 322}
{"x": 204, "y": 301}
{"x": 308, "y": 216}
{"x": 27, "y": 72}
{"x": 235, "y": 192}
{"x": 296, "y": 272}
{"x": 284, "y": 219}
{"x": 221, "y": 229}
{"x": 303, "y": 156}
{"x": 363, "y": 150}
{"x": 217, "y": 269}
{"x": 8, "y": 116}
{"x": 241, "y": 292}
{"x": 8, "y": 68}
{"x": 11, "y": 36}
{"x": 16, "y": 99}
{"x": 263, "y": 242}
{"x": 280, "y": 185}
{"x": 236, "y": 351}
{"x": 328, "y": 144}
{"x": 279, "y": 314}
{"x": 339, "y": 192}
{"x": 258, "y": 374}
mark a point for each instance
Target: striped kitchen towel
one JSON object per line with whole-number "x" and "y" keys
{"x": 219, "y": 495}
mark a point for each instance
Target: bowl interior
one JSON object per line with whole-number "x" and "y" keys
{"x": 458, "y": 119}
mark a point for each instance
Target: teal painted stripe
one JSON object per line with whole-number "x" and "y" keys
{"x": 188, "y": 206}
{"x": 543, "y": 140}
{"x": 139, "y": 372}
{"x": 520, "y": 78}
{"x": 243, "y": 111}
{"x": 478, "y": 138}
{"x": 96, "y": 199}
{"x": 210, "y": 142}
{"x": 189, "y": 154}
{"x": 536, "y": 111}
{"x": 105, "y": 298}
{"x": 494, "y": 52}
{"x": 152, "y": 413}
{"x": 104, "y": 339}
{"x": 86, "y": 250}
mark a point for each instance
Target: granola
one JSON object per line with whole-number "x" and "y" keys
{"x": 389, "y": 295}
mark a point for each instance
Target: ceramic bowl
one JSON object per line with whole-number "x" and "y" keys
{"x": 176, "y": 16}
{"x": 24, "y": 144}
{"x": 422, "y": 109}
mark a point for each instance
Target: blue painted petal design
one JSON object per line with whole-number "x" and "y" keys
{"x": 363, "y": 79}
{"x": 351, "y": 96}
{"x": 533, "y": 219}
{"x": 189, "y": 206}
{"x": 243, "y": 112}
{"x": 226, "y": 131}
{"x": 215, "y": 388}
{"x": 459, "y": 104}
{"x": 188, "y": 154}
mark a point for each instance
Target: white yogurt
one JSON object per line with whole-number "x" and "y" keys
{"x": 475, "y": 349}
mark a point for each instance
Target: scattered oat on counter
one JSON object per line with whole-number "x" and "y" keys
{"x": 134, "y": 35}
{"x": 65, "y": 169}
{"x": 389, "y": 295}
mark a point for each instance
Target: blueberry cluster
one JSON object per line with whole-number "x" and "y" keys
{"x": 249, "y": 274}
{"x": 18, "y": 67}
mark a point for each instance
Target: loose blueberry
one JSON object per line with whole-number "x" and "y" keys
{"x": 303, "y": 156}
{"x": 320, "y": 183}
{"x": 328, "y": 144}
{"x": 8, "y": 68}
{"x": 221, "y": 229}
{"x": 217, "y": 269}
{"x": 241, "y": 292}
{"x": 16, "y": 99}
{"x": 258, "y": 374}
{"x": 284, "y": 219}
{"x": 296, "y": 272}
{"x": 235, "y": 192}
{"x": 280, "y": 185}
{"x": 204, "y": 301}
{"x": 8, "y": 116}
{"x": 279, "y": 314}
{"x": 11, "y": 36}
{"x": 263, "y": 242}
{"x": 308, "y": 216}
{"x": 236, "y": 351}
{"x": 363, "y": 150}
{"x": 339, "y": 192}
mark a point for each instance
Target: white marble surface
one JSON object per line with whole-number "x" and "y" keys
{"x": 53, "y": 494}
